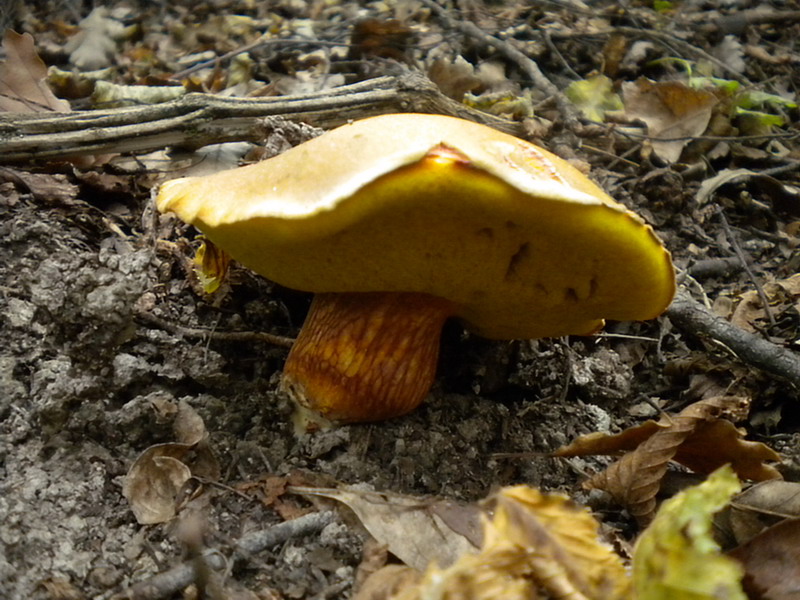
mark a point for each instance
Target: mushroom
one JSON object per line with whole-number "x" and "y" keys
{"x": 399, "y": 222}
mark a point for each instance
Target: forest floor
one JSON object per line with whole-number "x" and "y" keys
{"x": 108, "y": 340}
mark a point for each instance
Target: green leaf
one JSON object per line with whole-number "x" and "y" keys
{"x": 753, "y": 98}
{"x": 729, "y": 86}
{"x": 662, "y": 6}
{"x": 676, "y": 556}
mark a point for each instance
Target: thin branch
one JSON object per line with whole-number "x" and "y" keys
{"x": 691, "y": 316}
{"x": 746, "y": 266}
{"x": 172, "y": 581}
{"x": 225, "y": 336}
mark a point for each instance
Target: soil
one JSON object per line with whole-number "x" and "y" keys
{"x": 97, "y": 305}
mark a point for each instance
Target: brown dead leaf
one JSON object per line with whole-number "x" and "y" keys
{"x": 23, "y": 86}
{"x": 379, "y": 38}
{"x": 691, "y": 438}
{"x": 154, "y": 481}
{"x": 717, "y": 443}
{"x": 454, "y": 78}
{"x": 157, "y": 476}
{"x": 673, "y": 112}
{"x": 776, "y": 498}
{"x": 603, "y": 443}
{"x": 48, "y": 188}
{"x": 749, "y": 313}
{"x": 384, "y": 583}
{"x": 60, "y": 588}
{"x": 273, "y": 491}
{"x": 771, "y": 562}
{"x": 410, "y": 527}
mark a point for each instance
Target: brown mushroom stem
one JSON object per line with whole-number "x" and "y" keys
{"x": 366, "y": 356}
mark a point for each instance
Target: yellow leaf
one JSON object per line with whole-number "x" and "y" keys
{"x": 211, "y": 266}
{"x": 676, "y": 556}
{"x": 594, "y": 97}
{"x": 535, "y": 545}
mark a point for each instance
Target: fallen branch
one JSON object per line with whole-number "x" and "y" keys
{"x": 172, "y": 581}
{"x": 196, "y": 120}
{"x": 691, "y": 316}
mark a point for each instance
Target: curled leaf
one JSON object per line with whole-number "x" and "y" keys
{"x": 155, "y": 479}
{"x": 211, "y": 266}
{"x": 698, "y": 437}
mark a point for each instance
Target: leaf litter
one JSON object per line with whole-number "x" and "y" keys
{"x": 161, "y": 474}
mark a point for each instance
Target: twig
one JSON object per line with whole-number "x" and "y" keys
{"x": 196, "y": 120}
{"x": 259, "y": 541}
{"x": 164, "y": 585}
{"x": 170, "y": 582}
{"x": 528, "y": 65}
{"x": 691, "y": 316}
{"x": 226, "y": 336}
{"x": 746, "y": 266}
{"x": 715, "y": 267}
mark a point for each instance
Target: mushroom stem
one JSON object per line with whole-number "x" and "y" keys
{"x": 366, "y": 356}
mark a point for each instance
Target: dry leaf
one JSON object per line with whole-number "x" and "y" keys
{"x": 749, "y": 313}
{"x": 154, "y": 481}
{"x": 156, "y": 477}
{"x": 690, "y": 437}
{"x": 93, "y": 47}
{"x": 412, "y": 528}
{"x": 23, "y": 75}
{"x": 610, "y": 444}
{"x": 454, "y": 78}
{"x": 379, "y": 38}
{"x": 673, "y": 112}
{"x": 60, "y": 588}
{"x": 274, "y": 491}
{"x": 720, "y": 442}
{"x": 386, "y": 582}
{"x": 776, "y": 498}
{"x": 771, "y": 562}
{"x": 535, "y": 545}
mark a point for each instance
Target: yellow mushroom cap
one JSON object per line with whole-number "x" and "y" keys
{"x": 520, "y": 242}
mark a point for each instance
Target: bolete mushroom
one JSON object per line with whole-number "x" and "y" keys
{"x": 397, "y": 223}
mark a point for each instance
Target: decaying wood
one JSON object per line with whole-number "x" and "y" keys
{"x": 691, "y": 316}
{"x": 196, "y": 120}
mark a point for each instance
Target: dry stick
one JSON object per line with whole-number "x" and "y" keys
{"x": 196, "y": 120}
{"x": 746, "y": 266}
{"x": 181, "y": 576}
{"x": 226, "y": 336}
{"x": 691, "y": 316}
{"x": 528, "y": 66}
